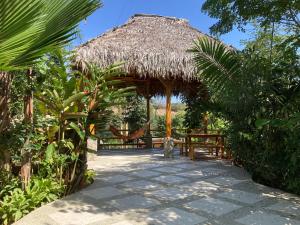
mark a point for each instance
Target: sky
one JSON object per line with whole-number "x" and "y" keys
{"x": 117, "y": 12}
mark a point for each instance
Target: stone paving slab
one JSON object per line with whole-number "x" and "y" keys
{"x": 168, "y": 169}
{"x": 142, "y": 185}
{"x": 200, "y": 173}
{"x": 263, "y": 218}
{"x": 187, "y": 166}
{"x": 288, "y": 207}
{"x": 200, "y": 187}
{"x": 144, "y": 173}
{"x": 134, "y": 202}
{"x": 242, "y": 196}
{"x": 142, "y": 188}
{"x": 212, "y": 206}
{"x": 114, "y": 179}
{"x": 170, "y": 179}
{"x": 170, "y": 194}
{"x": 82, "y": 216}
{"x": 101, "y": 193}
{"x": 174, "y": 216}
{"x": 224, "y": 181}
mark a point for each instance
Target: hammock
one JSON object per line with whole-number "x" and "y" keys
{"x": 134, "y": 135}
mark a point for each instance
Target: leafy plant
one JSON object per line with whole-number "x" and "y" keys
{"x": 34, "y": 27}
{"x": 260, "y": 100}
{"x": 74, "y": 101}
{"x": 89, "y": 176}
{"x": 18, "y": 203}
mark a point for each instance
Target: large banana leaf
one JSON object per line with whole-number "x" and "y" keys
{"x": 30, "y": 28}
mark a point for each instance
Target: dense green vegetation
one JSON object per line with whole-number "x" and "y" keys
{"x": 254, "y": 97}
{"x": 43, "y": 145}
{"x": 54, "y": 145}
{"x": 257, "y": 90}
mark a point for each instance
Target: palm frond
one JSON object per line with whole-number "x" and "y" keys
{"x": 31, "y": 28}
{"x": 216, "y": 63}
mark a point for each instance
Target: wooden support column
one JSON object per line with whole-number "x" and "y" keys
{"x": 148, "y": 113}
{"x": 205, "y": 122}
{"x": 148, "y": 136}
{"x": 148, "y": 97}
{"x": 168, "y": 111}
{"x": 169, "y": 88}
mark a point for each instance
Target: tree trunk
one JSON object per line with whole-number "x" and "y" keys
{"x": 5, "y": 86}
{"x": 28, "y": 100}
{"x": 25, "y": 172}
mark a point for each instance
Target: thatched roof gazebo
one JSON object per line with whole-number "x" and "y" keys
{"x": 154, "y": 51}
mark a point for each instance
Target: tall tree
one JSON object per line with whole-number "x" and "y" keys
{"x": 238, "y": 13}
{"x": 135, "y": 112}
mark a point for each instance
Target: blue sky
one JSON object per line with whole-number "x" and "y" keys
{"x": 117, "y": 12}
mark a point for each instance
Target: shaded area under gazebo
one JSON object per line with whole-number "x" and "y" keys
{"x": 154, "y": 51}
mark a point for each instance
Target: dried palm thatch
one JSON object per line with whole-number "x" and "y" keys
{"x": 153, "y": 48}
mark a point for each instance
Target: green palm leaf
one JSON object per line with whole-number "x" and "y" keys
{"x": 30, "y": 28}
{"x": 216, "y": 63}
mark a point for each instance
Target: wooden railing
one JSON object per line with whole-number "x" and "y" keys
{"x": 107, "y": 140}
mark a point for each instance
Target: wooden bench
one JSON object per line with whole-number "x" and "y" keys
{"x": 218, "y": 145}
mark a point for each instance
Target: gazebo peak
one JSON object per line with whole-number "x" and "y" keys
{"x": 179, "y": 20}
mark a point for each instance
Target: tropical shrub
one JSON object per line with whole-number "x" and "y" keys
{"x": 17, "y": 203}
{"x": 67, "y": 102}
{"x": 260, "y": 100}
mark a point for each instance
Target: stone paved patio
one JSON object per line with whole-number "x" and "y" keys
{"x": 141, "y": 187}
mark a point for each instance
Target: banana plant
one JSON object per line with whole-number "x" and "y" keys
{"x": 75, "y": 100}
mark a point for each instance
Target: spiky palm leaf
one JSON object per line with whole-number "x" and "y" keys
{"x": 30, "y": 28}
{"x": 216, "y": 63}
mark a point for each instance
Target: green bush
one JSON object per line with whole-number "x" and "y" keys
{"x": 261, "y": 102}
{"x": 16, "y": 203}
{"x": 89, "y": 176}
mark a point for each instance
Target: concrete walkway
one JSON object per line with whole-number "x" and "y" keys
{"x": 142, "y": 188}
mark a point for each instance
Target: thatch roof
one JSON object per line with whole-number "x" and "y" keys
{"x": 151, "y": 47}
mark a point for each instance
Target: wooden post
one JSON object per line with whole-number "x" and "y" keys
{"x": 168, "y": 87}
{"x": 205, "y": 122}
{"x": 148, "y": 98}
{"x": 148, "y": 113}
{"x": 168, "y": 111}
{"x": 92, "y": 129}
